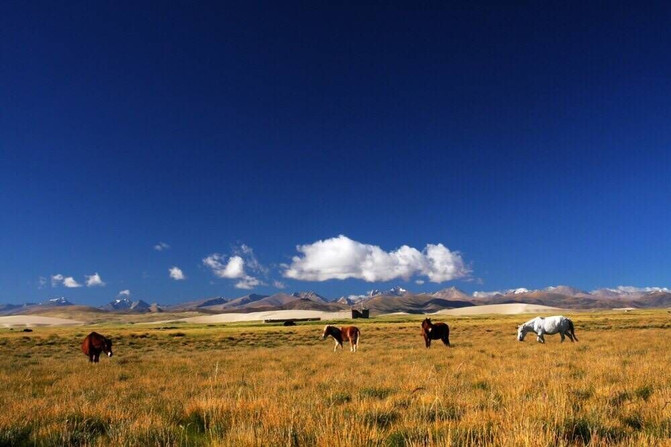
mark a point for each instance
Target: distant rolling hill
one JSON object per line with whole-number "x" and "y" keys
{"x": 198, "y": 305}
{"x": 571, "y": 298}
{"x": 307, "y": 304}
{"x": 53, "y": 303}
{"x": 655, "y": 299}
{"x": 277, "y": 300}
{"x": 413, "y": 304}
{"x": 280, "y": 301}
{"x": 295, "y": 304}
{"x": 452, "y": 294}
{"x": 242, "y": 301}
{"x": 8, "y": 309}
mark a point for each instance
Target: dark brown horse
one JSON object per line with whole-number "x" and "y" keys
{"x": 437, "y": 331}
{"x": 94, "y": 344}
{"x": 347, "y": 333}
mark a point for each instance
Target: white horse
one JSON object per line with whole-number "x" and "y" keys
{"x": 549, "y": 325}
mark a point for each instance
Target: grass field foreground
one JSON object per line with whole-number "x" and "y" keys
{"x": 263, "y": 385}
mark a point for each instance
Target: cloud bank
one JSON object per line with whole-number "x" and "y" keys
{"x": 176, "y": 273}
{"x": 344, "y": 258}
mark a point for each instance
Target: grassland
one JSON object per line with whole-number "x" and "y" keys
{"x": 274, "y": 386}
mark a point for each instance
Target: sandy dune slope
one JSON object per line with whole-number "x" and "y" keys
{"x": 504, "y": 309}
{"x": 501, "y": 309}
{"x": 36, "y": 320}
{"x": 255, "y": 316}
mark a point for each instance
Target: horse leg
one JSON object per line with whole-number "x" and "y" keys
{"x": 562, "y": 337}
{"x": 446, "y": 340}
{"x": 540, "y": 338}
{"x": 336, "y": 346}
{"x": 90, "y": 358}
{"x": 96, "y": 358}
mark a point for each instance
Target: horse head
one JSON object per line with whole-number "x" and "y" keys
{"x": 327, "y": 331}
{"x": 521, "y": 332}
{"x": 107, "y": 347}
{"x": 427, "y": 326}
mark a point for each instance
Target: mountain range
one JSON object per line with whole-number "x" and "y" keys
{"x": 125, "y": 304}
{"x": 396, "y": 299}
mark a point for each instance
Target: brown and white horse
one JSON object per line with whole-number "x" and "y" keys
{"x": 437, "y": 331}
{"x": 94, "y": 344}
{"x": 347, "y": 333}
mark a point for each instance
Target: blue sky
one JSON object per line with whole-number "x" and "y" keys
{"x": 331, "y": 148}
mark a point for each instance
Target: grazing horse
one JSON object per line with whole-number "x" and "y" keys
{"x": 94, "y": 344}
{"x": 347, "y": 333}
{"x": 549, "y": 325}
{"x": 437, "y": 331}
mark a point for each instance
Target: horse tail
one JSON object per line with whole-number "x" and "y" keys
{"x": 572, "y": 328}
{"x": 358, "y": 336}
{"x": 446, "y": 335}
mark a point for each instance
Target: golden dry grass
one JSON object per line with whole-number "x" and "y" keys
{"x": 271, "y": 385}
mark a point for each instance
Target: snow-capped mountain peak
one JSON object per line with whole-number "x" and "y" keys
{"x": 310, "y": 295}
{"x": 125, "y": 303}
{"x": 397, "y": 291}
{"x": 394, "y": 291}
{"x": 61, "y": 301}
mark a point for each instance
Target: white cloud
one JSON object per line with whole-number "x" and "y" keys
{"x": 161, "y": 246}
{"x": 94, "y": 280}
{"x": 125, "y": 293}
{"x": 176, "y": 273}
{"x": 56, "y": 280}
{"x": 70, "y": 282}
{"x": 66, "y": 281}
{"x": 41, "y": 282}
{"x": 279, "y": 285}
{"x": 234, "y": 268}
{"x": 419, "y": 281}
{"x": 248, "y": 282}
{"x": 247, "y": 253}
{"x": 343, "y": 258}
